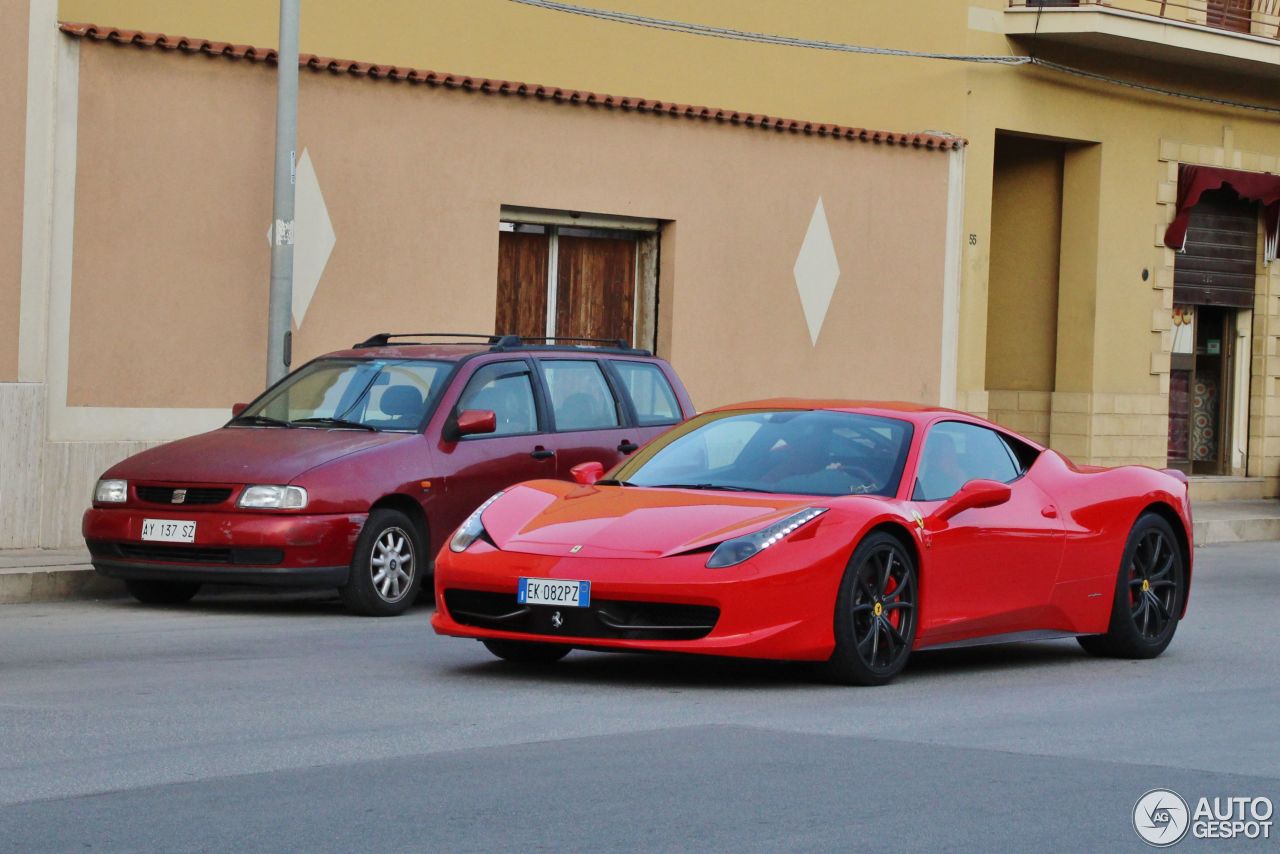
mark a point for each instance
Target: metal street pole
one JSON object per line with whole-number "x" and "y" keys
{"x": 280, "y": 311}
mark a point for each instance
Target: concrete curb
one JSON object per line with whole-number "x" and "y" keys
{"x": 51, "y": 583}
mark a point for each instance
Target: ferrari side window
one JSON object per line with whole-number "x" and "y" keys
{"x": 956, "y": 453}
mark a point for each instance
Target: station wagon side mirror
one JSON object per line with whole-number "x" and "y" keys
{"x": 473, "y": 422}
{"x": 587, "y": 473}
{"x": 237, "y": 408}
{"x": 973, "y": 495}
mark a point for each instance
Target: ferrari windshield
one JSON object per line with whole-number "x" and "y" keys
{"x": 355, "y": 394}
{"x": 803, "y": 452}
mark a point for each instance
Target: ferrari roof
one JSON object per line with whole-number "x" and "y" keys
{"x": 891, "y": 408}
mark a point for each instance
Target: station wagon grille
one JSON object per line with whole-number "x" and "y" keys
{"x": 191, "y": 494}
{"x": 187, "y": 554}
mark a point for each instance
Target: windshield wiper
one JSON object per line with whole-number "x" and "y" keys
{"x": 336, "y": 422}
{"x": 715, "y": 486}
{"x": 609, "y": 481}
{"x": 262, "y": 420}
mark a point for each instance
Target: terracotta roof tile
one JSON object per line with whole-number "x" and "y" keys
{"x": 485, "y": 85}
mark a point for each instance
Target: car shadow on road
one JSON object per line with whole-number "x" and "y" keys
{"x": 260, "y": 602}
{"x": 696, "y": 671}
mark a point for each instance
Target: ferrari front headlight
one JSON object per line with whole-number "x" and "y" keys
{"x": 735, "y": 551}
{"x": 473, "y": 528}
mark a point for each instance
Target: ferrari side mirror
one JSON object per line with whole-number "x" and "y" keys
{"x": 587, "y": 473}
{"x": 974, "y": 495}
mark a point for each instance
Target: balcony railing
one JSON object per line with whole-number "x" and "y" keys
{"x": 1249, "y": 17}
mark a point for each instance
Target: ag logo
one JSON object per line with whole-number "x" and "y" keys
{"x": 1161, "y": 817}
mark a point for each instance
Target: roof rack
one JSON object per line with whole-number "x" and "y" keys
{"x": 501, "y": 343}
{"x": 382, "y": 339}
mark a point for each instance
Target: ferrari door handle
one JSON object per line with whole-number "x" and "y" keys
{"x": 1049, "y": 511}
{"x": 627, "y": 446}
{"x": 541, "y": 453}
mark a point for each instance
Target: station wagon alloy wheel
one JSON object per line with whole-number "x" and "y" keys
{"x": 392, "y": 564}
{"x": 385, "y": 573}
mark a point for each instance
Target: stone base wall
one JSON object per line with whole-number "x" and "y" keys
{"x": 46, "y": 486}
{"x": 1026, "y": 412}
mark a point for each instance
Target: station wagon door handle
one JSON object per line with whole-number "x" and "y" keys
{"x": 627, "y": 446}
{"x": 541, "y": 453}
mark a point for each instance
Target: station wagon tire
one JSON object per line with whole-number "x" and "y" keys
{"x": 387, "y": 568}
{"x": 162, "y": 592}
{"x": 875, "y": 619}
{"x": 519, "y": 652}
{"x": 1150, "y": 589}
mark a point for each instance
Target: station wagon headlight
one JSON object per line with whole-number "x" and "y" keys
{"x": 273, "y": 498}
{"x": 735, "y": 551}
{"x": 111, "y": 491}
{"x": 472, "y": 529}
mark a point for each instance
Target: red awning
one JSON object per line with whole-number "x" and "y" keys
{"x": 1195, "y": 181}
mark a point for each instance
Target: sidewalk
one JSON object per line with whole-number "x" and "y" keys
{"x": 39, "y": 575}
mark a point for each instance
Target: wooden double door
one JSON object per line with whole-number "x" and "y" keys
{"x": 566, "y": 282}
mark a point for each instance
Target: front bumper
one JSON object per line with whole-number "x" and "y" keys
{"x": 661, "y": 605}
{"x": 295, "y": 550}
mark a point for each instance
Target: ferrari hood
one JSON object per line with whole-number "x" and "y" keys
{"x": 557, "y": 518}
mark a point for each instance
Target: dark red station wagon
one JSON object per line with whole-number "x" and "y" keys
{"x": 351, "y": 471}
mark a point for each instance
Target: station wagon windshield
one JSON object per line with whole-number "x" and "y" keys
{"x": 801, "y": 452}
{"x": 353, "y": 394}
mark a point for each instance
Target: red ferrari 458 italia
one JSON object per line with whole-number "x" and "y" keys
{"x": 839, "y": 532}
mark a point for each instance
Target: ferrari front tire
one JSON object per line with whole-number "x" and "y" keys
{"x": 1150, "y": 589}
{"x": 518, "y": 652}
{"x": 875, "y": 619}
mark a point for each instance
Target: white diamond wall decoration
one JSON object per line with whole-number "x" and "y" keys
{"x": 816, "y": 271}
{"x": 315, "y": 237}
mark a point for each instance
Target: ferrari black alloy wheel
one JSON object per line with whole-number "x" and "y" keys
{"x": 875, "y": 619}
{"x": 527, "y": 653}
{"x": 1150, "y": 590}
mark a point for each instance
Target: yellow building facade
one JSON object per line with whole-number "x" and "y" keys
{"x": 1071, "y": 312}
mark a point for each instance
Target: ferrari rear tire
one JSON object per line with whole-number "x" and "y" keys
{"x": 875, "y": 619}
{"x": 1150, "y": 589}
{"x": 527, "y": 653}
{"x": 162, "y": 592}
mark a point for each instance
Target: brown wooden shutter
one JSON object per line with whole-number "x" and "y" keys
{"x": 1221, "y": 256}
{"x": 522, "y": 283}
{"x": 595, "y": 294}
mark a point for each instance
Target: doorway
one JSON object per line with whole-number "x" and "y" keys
{"x": 1201, "y": 389}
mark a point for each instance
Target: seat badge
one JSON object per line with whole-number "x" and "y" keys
{"x": 575, "y": 550}
{"x": 179, "y": 496}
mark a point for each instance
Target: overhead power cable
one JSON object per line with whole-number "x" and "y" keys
{"x": 706, "y": 30}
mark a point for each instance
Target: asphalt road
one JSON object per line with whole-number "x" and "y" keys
{"x": 255, "y": 723}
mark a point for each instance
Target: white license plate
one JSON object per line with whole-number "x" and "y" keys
{"x": 168, "y": 531}
{"x": 553, "y": 591}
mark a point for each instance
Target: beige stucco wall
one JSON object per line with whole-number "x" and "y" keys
{"x": 170, "y": 278}
{"x": 13, "y": 129}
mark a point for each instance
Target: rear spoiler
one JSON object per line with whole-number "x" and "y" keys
{"x": 1177, "y": 475}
